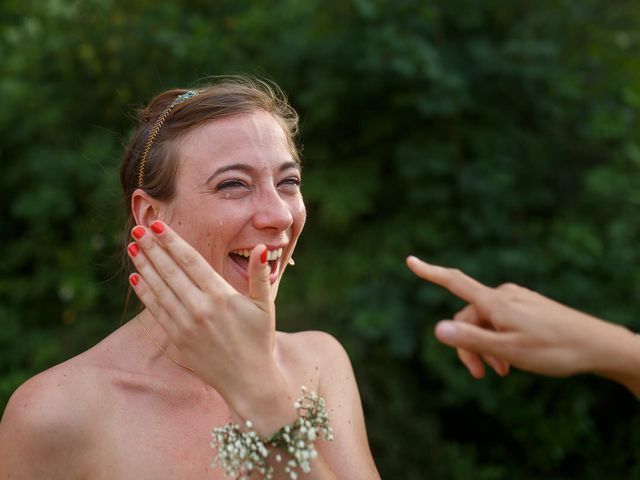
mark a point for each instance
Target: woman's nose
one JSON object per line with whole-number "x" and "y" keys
{"x": 271, "y": 211}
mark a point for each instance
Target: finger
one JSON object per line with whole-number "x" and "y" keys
{"x": 168, "y": 273}
{"x": 147, "y": 297}
{"x": 453, "y": 280}
{"x": 190, "y": 260}
{"x": 470, "y": 337}
{"x": 163, "y": 296}
{"x": 259, "y": 271}
{"x": 469, "y": 314}
{"x": 499, "y": 366}
{"x": 471, "y": 360}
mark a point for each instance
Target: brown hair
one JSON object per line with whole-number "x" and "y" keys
{"x": 227, "y": 97}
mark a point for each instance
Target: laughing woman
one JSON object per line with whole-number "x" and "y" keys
{"x": 211, "y": 178}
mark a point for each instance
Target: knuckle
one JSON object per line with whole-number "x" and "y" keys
{"x": 167, "y": 270}
{"x": 200, "y": 312}
{"x": 187, "y": 259}
{"x": 508, "y": 287}
{"x": 161, "y": 292}
{"x": 510, "y": 293}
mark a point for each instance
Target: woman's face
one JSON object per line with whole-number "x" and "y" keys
{"x": 237, "y": 186}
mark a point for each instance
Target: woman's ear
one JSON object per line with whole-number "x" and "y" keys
{"x": 144, "y": 208}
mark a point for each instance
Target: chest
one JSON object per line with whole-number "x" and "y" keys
{"x": 158, "y": 437}
{"x": 158, "y": 429}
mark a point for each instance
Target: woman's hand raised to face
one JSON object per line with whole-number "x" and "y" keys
{"x": 218, "y": 331}
{"x": 513, "y": 325}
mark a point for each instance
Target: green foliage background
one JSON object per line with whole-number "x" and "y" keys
{"x": 501, "y": 137}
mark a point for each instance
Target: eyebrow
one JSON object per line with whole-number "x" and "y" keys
{"x": 243, "y": 167}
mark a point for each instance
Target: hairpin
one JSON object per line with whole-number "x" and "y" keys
{"x": 156, "y": 129}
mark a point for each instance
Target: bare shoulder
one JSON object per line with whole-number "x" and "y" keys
{"x": 58, "y": 395}
{"x": 312, "y": 345}
{"x": 48, "y": 419}
{"x": 320, "y": 355}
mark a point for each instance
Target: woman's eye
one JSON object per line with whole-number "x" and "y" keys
{"x": 294, "y": 181}
{"x": 230, "y": 184}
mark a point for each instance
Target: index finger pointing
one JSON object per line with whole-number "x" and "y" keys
{"x": 455, "y": 281}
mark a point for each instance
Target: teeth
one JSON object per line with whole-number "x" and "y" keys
{"x": 271, "y": 254}
{"x": 274, "y": 254}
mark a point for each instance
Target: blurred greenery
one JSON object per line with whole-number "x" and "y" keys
{"x": 501, "y": 137}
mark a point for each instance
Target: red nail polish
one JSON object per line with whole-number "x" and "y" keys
{"x": 134, "y": 279}
{"x": 138, "y": 232}
{"x": 263, "y": 257}
{"x": 157, "y": 226}
{"x": 133, "y": 249}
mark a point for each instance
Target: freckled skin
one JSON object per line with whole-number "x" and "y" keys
{"x": 262, "y": 209}
{"x": 122, "y": 409}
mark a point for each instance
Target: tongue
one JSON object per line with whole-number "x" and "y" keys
{"x": 240, "y": 260}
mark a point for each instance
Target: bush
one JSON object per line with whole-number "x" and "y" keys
{"x": 498, "y": 137}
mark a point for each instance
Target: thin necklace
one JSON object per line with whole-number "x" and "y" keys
{"x": 189, "y": 369}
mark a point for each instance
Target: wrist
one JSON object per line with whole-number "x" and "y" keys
{"x": 241, "y": 452}
{"x": 619, "y": 357}
{"x": 268, "y": 403}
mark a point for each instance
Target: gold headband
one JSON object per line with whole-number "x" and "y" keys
{"x": 156, "y": 129}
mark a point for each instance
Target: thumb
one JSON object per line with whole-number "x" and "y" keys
{"x": 469, "y": 337}
{"x": 259, "y": 270}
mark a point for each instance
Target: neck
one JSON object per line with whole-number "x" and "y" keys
{"x": 155, "y": 335}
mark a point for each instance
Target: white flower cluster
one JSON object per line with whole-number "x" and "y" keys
{"x": 242, "y": 453}
{"x": 298, "y": 438}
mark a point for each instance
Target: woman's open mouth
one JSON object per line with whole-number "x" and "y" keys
{"x": 241, "y": 259}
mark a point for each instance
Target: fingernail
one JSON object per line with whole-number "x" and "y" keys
{"x": 446, "y": 331}
{"x": 157, "y": 226}
{"x": 133, "y": 249}
{"x": 263, "y": 257}
{"x": 134, "y": 278}
{"x": 138, "y": 232}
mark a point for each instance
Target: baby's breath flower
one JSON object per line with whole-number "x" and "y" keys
{"x": 240, "y": 454}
